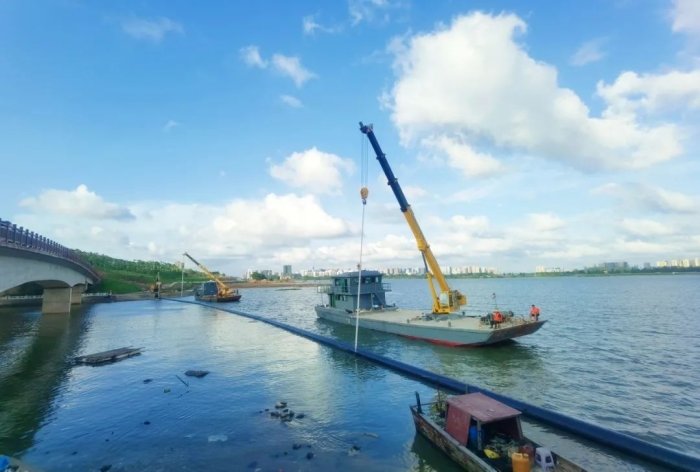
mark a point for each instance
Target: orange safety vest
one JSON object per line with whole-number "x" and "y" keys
{"x": 497, "y": 316}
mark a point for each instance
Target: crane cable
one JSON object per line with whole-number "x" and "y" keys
{"x": 364, "y": 193}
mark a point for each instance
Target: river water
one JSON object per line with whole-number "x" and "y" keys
{"x": 621, "y": 352}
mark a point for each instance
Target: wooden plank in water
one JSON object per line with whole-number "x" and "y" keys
{"x": 109, "y": 356}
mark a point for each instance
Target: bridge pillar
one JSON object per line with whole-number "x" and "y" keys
{"x": 56, "y": 300}
{"x": 76, "y": 296}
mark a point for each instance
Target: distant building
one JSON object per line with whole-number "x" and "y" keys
{"x": 613, "y": 265}
{"x": 539, "y": 269}
{"x": 287, "y": 271}
{"x": 647, "y": 265}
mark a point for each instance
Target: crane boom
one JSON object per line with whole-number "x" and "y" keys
{"x": 223, "y": 289}
{"x": 448, "y": 300}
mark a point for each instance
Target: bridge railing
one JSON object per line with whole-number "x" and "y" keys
{"x": 20, "y": 238}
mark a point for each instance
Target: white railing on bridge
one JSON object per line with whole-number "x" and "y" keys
{"x": 21, "y": 238}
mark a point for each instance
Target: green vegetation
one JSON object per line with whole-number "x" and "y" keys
{"x": 260, "y": 276}
{"x": 121, "y": 276}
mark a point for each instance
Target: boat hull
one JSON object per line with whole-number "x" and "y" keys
{"x": 448, "y": 331}
{"x": 458, "y": 453}
{"x": 215, "y": 298}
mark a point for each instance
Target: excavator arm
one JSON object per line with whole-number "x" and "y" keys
{"x": 446, "y": 300}
{"x": 223, "y": 289}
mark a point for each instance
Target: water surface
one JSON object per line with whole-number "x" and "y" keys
{"x": 618, "y": 351}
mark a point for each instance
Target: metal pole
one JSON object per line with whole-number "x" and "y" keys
{"x": 182, "y": 283}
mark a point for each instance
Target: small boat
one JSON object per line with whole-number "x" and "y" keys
{"x": 484, "y": 435}
{"x": 212, "y": 292}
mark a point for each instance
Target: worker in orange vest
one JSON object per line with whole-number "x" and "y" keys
{"x": 497, "y": 318}
{"x": 534, "y": 313}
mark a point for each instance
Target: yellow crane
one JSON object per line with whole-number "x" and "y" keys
{"x": 447, "y": 300}
{"x": 224, "y": 293}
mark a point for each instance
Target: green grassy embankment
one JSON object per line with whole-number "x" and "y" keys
{"x": 121, "y": 276}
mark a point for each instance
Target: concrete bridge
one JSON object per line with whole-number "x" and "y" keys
{"x": 28, "y": 257}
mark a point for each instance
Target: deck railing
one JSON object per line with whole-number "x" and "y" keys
{"x": 21, "y": 238}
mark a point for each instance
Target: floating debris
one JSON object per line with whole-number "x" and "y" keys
{"x": 146, "y": 423}
{"x": 108, "y": 356}
{"x": 148, "y": 381}
{"x": 372, "y": 435}
{"x": 218, "y": 438}
{"x": 196, "y": 373}
{"x": 296, "y": 446}
{"x": 167, "y": 390}
{"x": 300, "y": 415}
{"x": 310, "y": 455}
{"x": 105, "y": 468}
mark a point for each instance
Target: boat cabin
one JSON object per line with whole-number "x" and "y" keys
{"x": 342, "y": 292}
{"x": 207, "y": 288}
{"x": 483, "y": 424}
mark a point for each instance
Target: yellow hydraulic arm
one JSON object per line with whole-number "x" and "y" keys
{"x": 447, "y": 300}
{"x": 223, "y": 289}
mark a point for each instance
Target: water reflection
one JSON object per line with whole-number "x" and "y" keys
{"x": 28, "y": 389}
{"x": 429, "y": 458}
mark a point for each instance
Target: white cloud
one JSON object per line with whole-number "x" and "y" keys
{"x": 590, "y": 51}
{"x": 309, "y": 25}
{"x": 154, "y": 30}
{"x": 685, "y": 16}
{"x": 374, "y": 10}
{"x": 472, "y": 80}
{"x": 281, "y": 229}
{"x": 80, "y": 202}
{"x": 233, "y": 230}
{"x": 314, "y": 171}
{"x": 291, "y": 101}
{"x": 291, "y": 67}
{"x": 462, "y": 156}
{"x": 650, "y": 198}
{"x": 170, "y": 125}
{"x": 651, "y": 92}
{"x": 251, "y": 56}
{"x": 414, "y": 191}
{"x": 645, "y": 227}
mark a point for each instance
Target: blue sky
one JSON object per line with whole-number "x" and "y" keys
{"x": 524, "y": 132}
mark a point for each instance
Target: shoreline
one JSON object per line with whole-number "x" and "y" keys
{"x": 148, "y": 295}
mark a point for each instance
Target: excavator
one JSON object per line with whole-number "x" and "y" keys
{"x": 215, "y": 291}
{"x": 445, "y": 301}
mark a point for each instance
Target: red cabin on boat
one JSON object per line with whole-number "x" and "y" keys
{"x": 479, "y": 413}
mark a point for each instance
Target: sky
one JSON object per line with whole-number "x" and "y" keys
{"x": 523, "y": 132}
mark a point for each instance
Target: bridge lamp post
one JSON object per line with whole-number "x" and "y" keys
{"x": 182, "y": 283}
